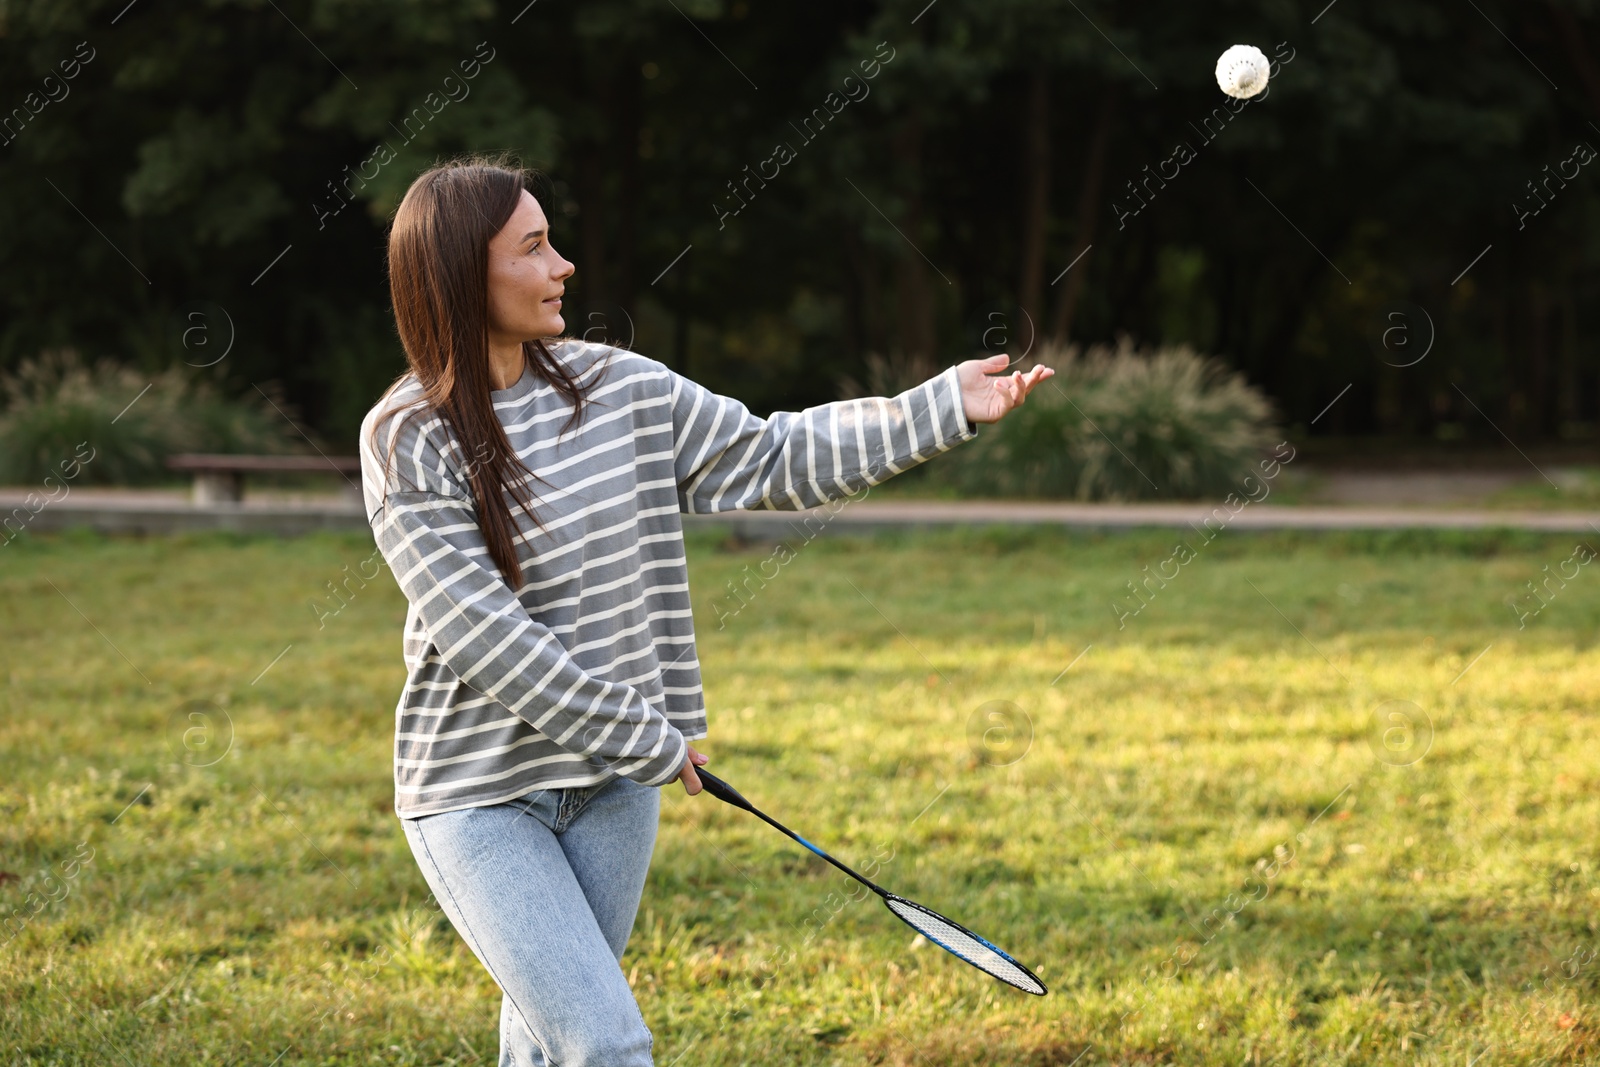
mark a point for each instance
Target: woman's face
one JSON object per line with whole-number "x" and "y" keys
{"x": 526, "y": 278}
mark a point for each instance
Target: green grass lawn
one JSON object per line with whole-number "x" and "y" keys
{"x": 1321, "y": 800}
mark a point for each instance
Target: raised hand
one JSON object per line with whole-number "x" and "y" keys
{"x": 985, "y": 398}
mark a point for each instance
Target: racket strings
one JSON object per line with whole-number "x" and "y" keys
{"x": 959, "y": 941}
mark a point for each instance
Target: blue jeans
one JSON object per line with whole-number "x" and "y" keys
{"x": 544, "y": 890}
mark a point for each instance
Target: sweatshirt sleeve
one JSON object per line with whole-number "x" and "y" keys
{"x": 728, "y": 459}
{"x": 433, "y": 544}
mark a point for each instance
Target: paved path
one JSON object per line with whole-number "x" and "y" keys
{"x": 168, "y": 511}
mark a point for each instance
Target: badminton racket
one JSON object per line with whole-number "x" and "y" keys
{"x": 946, "y": 933}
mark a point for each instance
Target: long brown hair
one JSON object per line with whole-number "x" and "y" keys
{"x": 439, "y": 284}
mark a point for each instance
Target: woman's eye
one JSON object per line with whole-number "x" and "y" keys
{"x": 534, "y": 247}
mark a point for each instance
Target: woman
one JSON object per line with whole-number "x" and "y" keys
{"x": 553, "y": 685}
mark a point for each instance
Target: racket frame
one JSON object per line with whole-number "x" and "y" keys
{"x": 729, "y": 795}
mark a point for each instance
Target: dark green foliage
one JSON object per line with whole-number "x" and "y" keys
{"x": 228, "y": 159}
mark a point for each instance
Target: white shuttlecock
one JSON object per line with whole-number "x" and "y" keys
{"x": 1242, "y": 71}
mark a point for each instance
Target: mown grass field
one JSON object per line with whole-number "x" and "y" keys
{"x": 1210, "y": 836}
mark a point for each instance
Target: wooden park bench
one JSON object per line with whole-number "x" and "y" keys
{"x": 220, "y": 478}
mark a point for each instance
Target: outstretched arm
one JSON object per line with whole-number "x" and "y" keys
{"x": 729, "y": 459}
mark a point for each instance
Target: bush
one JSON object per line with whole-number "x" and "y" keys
{"x": 55, "y": 402}
{"x": 1119, "y": 424}
{"x": 889, "y": 375}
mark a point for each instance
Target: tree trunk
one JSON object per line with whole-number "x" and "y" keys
{"x": 1572, "y": 406}
{"x": 1035, "y": 193}
{"x": 866, "y": 295}
{"x": 1089, "y": 210}
{"x": 1571, "y": 33}
{"x": 630, "y": 87}
{"x": 590, "y": 174}
{"x": 589, "y": 171}
{"x": 853, "y": 334}
{"x": 680, "y": 317}
{"x": 1280, "y": 325}
{"x": 915, "y": 304}
{"x": 1538, "y": 343}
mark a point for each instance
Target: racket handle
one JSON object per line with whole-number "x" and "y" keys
{"x": 722, "y": 790}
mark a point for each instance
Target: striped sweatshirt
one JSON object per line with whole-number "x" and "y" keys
{"x": 588, "y": 670}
